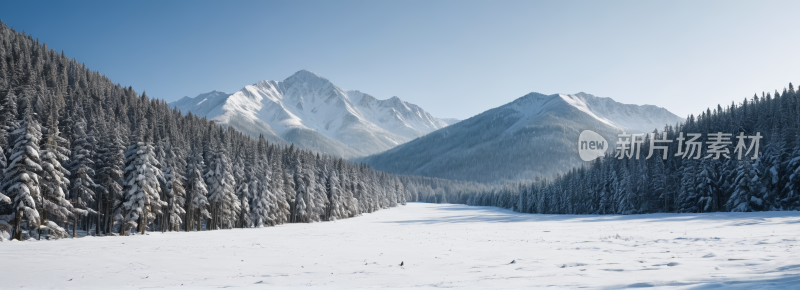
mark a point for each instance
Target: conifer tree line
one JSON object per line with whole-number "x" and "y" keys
{"x": 684, "y": 185}
{"x": 80, "y": 153}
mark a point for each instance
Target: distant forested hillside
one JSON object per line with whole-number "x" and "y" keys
{"x": 696, "y": 183}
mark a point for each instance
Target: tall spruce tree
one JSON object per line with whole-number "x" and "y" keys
{"x": 141, "y": 188}
{"x": 21, "y": 181}
{"x": 225, "y": 206}
{"x": 54, "y": 182}
{"x": 197, "y": 194}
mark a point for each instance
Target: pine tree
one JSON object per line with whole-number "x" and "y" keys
{"x": 112, "y": 160}
{"x": 21, "y": 179}
{"x": 175, "y": 192}
{"x": 687, "y": 196}
{"x": 301, "y": 210}
{"x": 8, "y": 114}
{"x": 771, "y": 166}
{"x": 224, "y": 203}
{"x": 706, "y": 187}
{"x": 335, "y": 210}
{"x": 623, "y": 192}
{"x": 748, "y": 188}
{"x": 141, "y": 189}
{"x": 279, "y": 200}
{"x": 242, "y": 174}
{"x": 54, "y": 182}
{"x": 197, "y": 194}
{"x": 259, "y": 195}
{"x": 792, "y": 199}
{"x": 290, "y": 194}
{"x": 83, "y": 186}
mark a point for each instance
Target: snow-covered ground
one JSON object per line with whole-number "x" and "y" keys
{"x": 441, "y": 246}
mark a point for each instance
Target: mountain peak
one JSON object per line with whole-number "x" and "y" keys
{"x": 304, "y": 75}
{"x": 312, "y": 112}
{"x": 395, "y": 100}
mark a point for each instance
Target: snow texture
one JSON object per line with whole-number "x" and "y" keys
{"x": 439, "y": 245}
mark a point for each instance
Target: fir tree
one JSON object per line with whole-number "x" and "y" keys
{"x": 748, "y": 188}
{"x": 83, "y": 186}
{"x": 224, "y": 203}
{"x": 174, "y": 190}
{"x": 141, "y": 189}
{"x": 197, "y": 194}
{"x": 21, "y": 178}
{"x": 109, "y": 174}
{"x": 54, "y": 182}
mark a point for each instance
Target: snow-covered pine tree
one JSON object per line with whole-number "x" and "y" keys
{"x": 305, "y": 186}
{"x": 792, "y": 199}
{"x": 242, "y": 174}
{"x": 320, "y": 194}
{"x": 21, "y": 178}
{"x": 175, "y": 193}
{"x": 8, "y": 117}
{"x": 725, "y": 182}
{"x": 402, "y": 193}
{"x": 54, "y": 183}
{"x": 197, "y": 194}
{"x": 225, "y": 205}
{"x": 259, "y": 192}
{"x": 687, "y": 196}
{"x": 259, "y": 188}
{"x": 623, "y": 191}
{"x": 279, "y": 202}
{"x": 771, "y": 165}
{"x": 748, "y": 188}
{"x": 3, "y": 164}
{"x": 8, "y": 123}
{"x": 109, "y": 174}
{"x": 83, "y": 187}
{"x": 301, "y": 210}
{"x": 141, "y": 188}
{"x": 706, "y": 186}
{"x": 349, "y": 203}
{"x": 290, "y": 194}
{"x": 335, "y": 210}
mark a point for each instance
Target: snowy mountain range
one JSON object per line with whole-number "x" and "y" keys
{"x": 313, "y": 113}
{"x": 535, "y": 135}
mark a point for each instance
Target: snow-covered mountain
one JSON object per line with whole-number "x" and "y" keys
{"x": 535, "y": 135}
{"x": 313, "y": 113}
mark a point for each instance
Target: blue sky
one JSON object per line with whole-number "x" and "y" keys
{"x": 453, "y": 58}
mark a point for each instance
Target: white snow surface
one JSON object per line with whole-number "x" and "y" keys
{"x": 441, "y": 246}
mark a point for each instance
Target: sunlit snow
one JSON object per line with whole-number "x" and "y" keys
{"x": 440, "y": 246}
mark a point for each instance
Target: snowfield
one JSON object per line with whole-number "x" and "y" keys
{"x": 440, "y": 245}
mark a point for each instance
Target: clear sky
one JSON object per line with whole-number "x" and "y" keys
{"x": 453, "y": 58}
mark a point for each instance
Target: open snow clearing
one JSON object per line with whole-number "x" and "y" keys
{"x": 440, "y": 246}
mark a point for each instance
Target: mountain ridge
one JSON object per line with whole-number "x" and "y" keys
{"x": 534, "y": 135}
{"x": 307, "y": 108}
